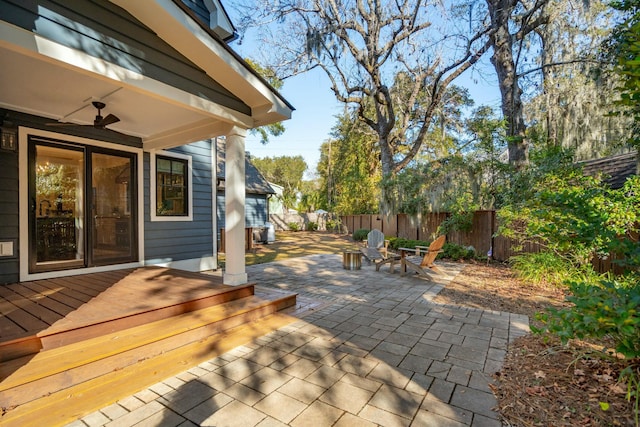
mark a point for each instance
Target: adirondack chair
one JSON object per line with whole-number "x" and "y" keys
{"x": 422, "y": 257}
{"x": 376, "y": 250}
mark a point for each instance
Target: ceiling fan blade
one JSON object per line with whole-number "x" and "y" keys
{"x": 61, "y": 124}
{"x": 106, "y": 121}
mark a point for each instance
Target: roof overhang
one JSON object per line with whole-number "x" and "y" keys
{"x": 44, "y": 78}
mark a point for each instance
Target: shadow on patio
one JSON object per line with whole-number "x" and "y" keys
{"x": 378, "y": 351}
{"x": 81, "y": 320}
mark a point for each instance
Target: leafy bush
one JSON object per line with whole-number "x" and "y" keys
{"x": 548, "y": 267}
{"x": 294, "y": 226}
{"x": 458, "y": 220}
{"x": 607, "y": 308}
{"x": 574, "y": 216}
{"x": 334, "y": 224}
{"x": 312, "y": 226}
{"x": 360, "y": 235}
{"x": 449, "y": 250}
{"x": 457, "y": 252}
{"x": 399, "y": 242}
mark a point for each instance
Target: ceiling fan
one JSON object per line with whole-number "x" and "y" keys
{"x": 99, "y": 122}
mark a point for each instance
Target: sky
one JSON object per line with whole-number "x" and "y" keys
{"x": 310, "y": 124}
{"x": 316, "y": 108}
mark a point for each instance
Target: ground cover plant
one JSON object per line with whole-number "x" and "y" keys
{"x": 576, "y": 219}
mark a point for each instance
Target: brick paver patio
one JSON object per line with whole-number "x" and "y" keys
{"x": 378, "y": 352}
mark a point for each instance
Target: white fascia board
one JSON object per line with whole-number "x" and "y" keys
{"x": 191, "y": 132}
{"x": 180, "y": 31}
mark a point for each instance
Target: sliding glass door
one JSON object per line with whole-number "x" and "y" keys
{"x": 112, "y": 207}
{"x": 57, "y": 206}
{"x": 82, "y": 206}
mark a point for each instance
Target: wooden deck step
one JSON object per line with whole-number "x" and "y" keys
{"x": 60, "y": 408}
{"x": 32, "y": 377}
{"x": 79, "y": 326}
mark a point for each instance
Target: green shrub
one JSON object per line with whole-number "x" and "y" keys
{"x": 294, "y": 226}
{"x": 399, "y": 242}
{"x": 334, "y": 224}
{"x": 360, "y": 235}
{"x": 457, "y": 221}
{"x": 606, "y": 308}
{"x": 457, "y": 252}
{"x": 312, "y": 226}
{"x": 548, "y": 267}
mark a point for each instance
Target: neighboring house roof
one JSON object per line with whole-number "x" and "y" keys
{"x": 255, "y": 182}
{"x": 278, "y": 189}
{"x": 615, "y": 169}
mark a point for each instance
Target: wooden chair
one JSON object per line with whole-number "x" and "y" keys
{"x": 422, "y": 259}
{"x": 376, "y": 250}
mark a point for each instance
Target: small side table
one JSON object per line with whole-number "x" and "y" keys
{"x": 351, "y": 260}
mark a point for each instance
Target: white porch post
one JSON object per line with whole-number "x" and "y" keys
{"x": 234, "y": 196}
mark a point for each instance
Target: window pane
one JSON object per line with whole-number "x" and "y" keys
{"x": 178, "y": 167}
{"x": 163, "y": 165}
{"x": 171, "y": 182}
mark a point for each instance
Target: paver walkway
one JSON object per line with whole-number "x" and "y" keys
{"x": 379, "y": 352}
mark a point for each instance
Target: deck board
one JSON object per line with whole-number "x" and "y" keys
{"x": 43, "y": 300}
{"x": 50, "y": 305}
{"x": 56, "y": 294}
{"x": 7, "y": 327}
{"x": 28, "y": 304}
{"x": 51, "y": 287}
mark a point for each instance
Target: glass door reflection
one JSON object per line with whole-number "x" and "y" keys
{"x": 57, "y": 214}
{"x": 111, "y": 205}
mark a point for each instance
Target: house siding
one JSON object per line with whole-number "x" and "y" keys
{"x": 9, "y": 217}
{"x": 183, "y": 240}
{"x": 100, "y": 29}
{"x": 198, "y": 7}
{"x": 255, "y": 210}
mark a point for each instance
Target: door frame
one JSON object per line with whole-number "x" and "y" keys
{"x": 24, "y": 205}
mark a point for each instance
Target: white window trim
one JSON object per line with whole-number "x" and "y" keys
{"x": 153, "y": 189}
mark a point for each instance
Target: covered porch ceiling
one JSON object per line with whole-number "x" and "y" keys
{"x": 31, "y": 85}
{"x": 43, "y": 78}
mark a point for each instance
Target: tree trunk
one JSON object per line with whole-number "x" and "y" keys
{"x": 386, "y": 158}
{"x": 548, "y": 84}
{"x": 510, "y": 91}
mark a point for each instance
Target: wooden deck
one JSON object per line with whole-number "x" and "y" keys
{"x": 114, "y": 333}
{"x": 43, "y": 309}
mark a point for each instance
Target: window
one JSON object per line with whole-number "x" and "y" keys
{"x": 172, "y": 183}
{"x": 171, "y": 186}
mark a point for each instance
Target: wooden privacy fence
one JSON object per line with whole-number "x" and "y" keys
{"x": 480, "y": 237}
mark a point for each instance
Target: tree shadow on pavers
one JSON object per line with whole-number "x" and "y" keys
{"x": 378, "y": 351}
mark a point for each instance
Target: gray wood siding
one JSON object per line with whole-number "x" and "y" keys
{"x": 9, "y": 216}
{"x": 183, "y": 240}
{"x": 104, "y": 30}
{"x": 198, "y": 7}
{"x": 255, "y": 210}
